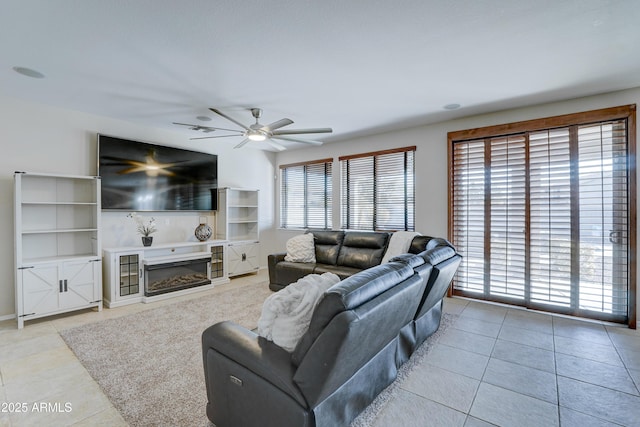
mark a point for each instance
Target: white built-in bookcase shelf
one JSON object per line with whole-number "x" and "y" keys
{"x": 237, "y": 222}
{"x": 57, "y": 243}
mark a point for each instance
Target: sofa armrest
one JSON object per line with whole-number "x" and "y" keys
{"x": 272, "y": 260}
{"x": 261, "y": 357}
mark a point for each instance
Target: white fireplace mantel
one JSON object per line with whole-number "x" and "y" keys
{"x": 123, "y": 269}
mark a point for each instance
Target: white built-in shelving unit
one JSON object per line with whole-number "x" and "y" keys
{"x": 57, "y": 244}
{"x": 237, "y": 222}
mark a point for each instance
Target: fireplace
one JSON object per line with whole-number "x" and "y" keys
{"x": 173, "y": 276}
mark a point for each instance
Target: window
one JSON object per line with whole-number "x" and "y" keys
{"x": 378, "y": 190}
{"x": 305, "y": 194}
{"x": 543, "y": 213}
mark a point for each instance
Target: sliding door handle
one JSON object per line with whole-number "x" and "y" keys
{"x": 615, "y": 236}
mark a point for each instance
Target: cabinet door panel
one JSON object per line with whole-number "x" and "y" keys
{"x": 80, "y": 287}
{"x": 40, "y": 289}
{"x": 243, "y": 258}
{"x": 251, "y": 251}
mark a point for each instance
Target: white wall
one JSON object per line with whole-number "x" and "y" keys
{"x": 38, "y": 138}
{"x": 431, "y": 155}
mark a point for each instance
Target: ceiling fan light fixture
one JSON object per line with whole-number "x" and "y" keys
{"x": 256, "y": 136}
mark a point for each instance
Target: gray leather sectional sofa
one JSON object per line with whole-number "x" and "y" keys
{"x": 341, "y": 252}
{"x": 364, "y": 328}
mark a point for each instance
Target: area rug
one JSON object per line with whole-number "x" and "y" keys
{"x": 149, "y": 364}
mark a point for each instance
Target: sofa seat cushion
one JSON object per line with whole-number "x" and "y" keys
{"x": 289, "y": 272}
{"x": 363, "y": 249}
{"x": 342, "y": 271}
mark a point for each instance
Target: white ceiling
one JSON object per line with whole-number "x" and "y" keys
{"x": 357, "y": 66}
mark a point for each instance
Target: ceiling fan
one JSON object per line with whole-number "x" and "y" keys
{"x": 258, "y": 131}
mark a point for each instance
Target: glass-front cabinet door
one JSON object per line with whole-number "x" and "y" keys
{"x": 130, "y": 274}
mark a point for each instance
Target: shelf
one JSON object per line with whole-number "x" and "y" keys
{"x": 243, "y": 239}
{"x": 25, "y": 203}
{"x": 57, "y": 237}
{"x": 238, "y": 215}
{"x": 49, "y": 259}
{"x": 57, "y": 231}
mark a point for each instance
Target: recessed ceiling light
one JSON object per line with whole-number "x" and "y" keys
{"x": 451, "y": 106}
{"x": 204, "y": 118}
{"x": 29, "y": 72}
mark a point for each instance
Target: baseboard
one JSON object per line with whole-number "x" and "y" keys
{"x": 7, "y": 317}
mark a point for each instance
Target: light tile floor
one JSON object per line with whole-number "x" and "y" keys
{"x": 505, "y": 366}
{"x": 495, "y": 366}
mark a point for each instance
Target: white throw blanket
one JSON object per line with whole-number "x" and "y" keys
{"x": 287, "y": 313}
{"x": 399, "y": 244}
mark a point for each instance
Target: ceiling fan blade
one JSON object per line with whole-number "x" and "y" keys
{"x": 244, "y": 141}
{"x": 205, "y": 128}
{"x": 297, "y": 131}
{"x": 196, "y": 127}
{"x": 218, "y": 136}
{"x": 275, "y": 145}
{"x": 231, "y": 119}
{"x": 294, "y": 139}
{"x": 277, "y": 125}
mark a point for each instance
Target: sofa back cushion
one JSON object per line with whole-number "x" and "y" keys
{"x": 419, "y": 244}
{"x": 348, "y": 294}
{"x": 363, "y": 249}
{"x": 445, "y": 261}
{"x": 356, "y": 320}
{"x": 327, "y": 245}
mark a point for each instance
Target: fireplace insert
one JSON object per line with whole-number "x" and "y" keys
{"x": 174, "y": 276}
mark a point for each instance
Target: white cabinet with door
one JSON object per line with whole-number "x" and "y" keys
{"x": 243, "y": 258}
{"x": 124, "y": 269}
{"x": 123, "y": 277}
{"x": 237, "y": 222}
{"x": 57, "y": 240}
{"x": 59, "y": 287}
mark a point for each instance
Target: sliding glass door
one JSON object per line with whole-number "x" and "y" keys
{"x": 542, "y": 217}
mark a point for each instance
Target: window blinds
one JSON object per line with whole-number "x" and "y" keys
{"x": 305, "y": 195}
{"x": 542, "y": 218}
{"x": 377, "y": 190}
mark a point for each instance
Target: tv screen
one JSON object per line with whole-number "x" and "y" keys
{"x": 138, "y": 176}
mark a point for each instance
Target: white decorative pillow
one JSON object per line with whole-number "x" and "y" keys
{"x": 301, "y": 249}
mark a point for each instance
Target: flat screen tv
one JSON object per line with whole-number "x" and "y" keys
{"x": 139, "y": 176}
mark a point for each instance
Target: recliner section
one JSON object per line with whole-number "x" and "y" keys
{"x": 361, "y": 332}
{"x": 437, "y": 265}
